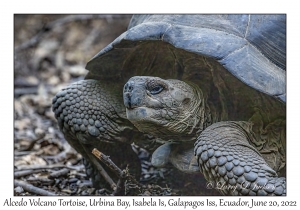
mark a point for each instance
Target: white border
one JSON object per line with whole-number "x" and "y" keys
{"x": 153, "y": 6}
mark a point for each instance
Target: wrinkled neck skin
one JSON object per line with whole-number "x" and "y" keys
{"x": 191, "y": 120}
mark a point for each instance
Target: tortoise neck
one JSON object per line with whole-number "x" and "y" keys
{"x": 199, "y": 112}
{"x": 209, "y": 115}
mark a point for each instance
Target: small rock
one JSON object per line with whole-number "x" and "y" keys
{"x": 91, "y": 190}
{"x": 84, "y": 193}
{"x": 19, "y": 189}
{"x": 78, "y": 70}
{"x": 39, "y": 132}
{"x": 73, "y": 180}
{"x": 54, "y": 80}
{"x": 32, "y": 80}
{"x": 147, "y": 193}
{"x": 101, "y": 191}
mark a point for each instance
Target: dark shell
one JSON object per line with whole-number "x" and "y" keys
{"x": 250, "y": 47}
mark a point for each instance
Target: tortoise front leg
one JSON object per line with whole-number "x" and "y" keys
{"x": 90, "y": 116}
{"x": 228, "y": 161}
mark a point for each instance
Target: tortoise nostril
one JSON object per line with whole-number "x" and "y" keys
{"x": 129, "y": 86}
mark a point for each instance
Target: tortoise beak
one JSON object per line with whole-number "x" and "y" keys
{"x": 133, "y": 94}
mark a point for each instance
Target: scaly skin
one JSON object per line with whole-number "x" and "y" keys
{"x": 232, "y": 165}
{"x": 91, "y": 117}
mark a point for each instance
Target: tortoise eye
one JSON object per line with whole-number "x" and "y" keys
{"x": 156, "y": 89}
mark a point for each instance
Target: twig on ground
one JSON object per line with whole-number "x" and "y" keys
{"x": 19, "y": 174}
{"x": 30, "y": 167}
{"x": 40, "y": 180}
{"x": 25, "y": 91}
{"x": 61, "y": 172}
{"x": 102, "y": 171}
{"x": 21, "y": 153}
{"x": 32, "y": 189}
{"x": 122, "y": 174}
{"x": 32, "y": 143}
{"x": 107, "y": 161}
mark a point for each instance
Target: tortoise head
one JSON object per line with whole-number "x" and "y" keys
{"x": 164, "y": 108}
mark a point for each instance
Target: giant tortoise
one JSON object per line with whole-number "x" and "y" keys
{"x": 203, "y": 92}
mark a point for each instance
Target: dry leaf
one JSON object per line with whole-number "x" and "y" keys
{"x": 22, "y": 123}
{"x": 30, "y": 160}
